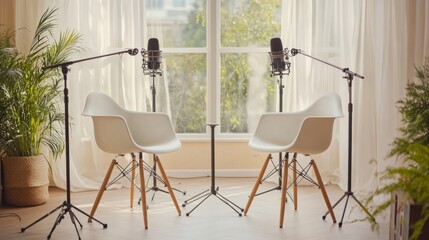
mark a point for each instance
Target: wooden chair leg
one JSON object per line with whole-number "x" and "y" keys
{"x": 295, "y": 183}
{"x": 170, "y": 190}
{"x": 133, "y": 175}
{"x": 143, "y": 193}
{"x": 322, "y": 188}
{"x": 284, "y": 189}
{"x": 257, "y": 183}
{"x": 102, "y": 188}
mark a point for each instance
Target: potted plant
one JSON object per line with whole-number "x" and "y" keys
{"x": 31, "y": 114}
{"x": 408, "y": 183}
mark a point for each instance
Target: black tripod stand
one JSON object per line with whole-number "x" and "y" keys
{"x": 67, "y": 206}
{"x": 213, "y": 191}
{"x": 280, "y": 66}
{"x": 152, "y": 66}
{"x": 152, "y": 171}
{"x": 349, "y": 193}
{"x": 277, "y": 168}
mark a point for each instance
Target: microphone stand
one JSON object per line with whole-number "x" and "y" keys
{"x": 278, "y": 168}
{"x": 349, "y": 193}
{"x": 67, "y": 206}
{"x": 152, "y": 72}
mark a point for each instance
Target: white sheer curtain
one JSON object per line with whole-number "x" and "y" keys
{"x": 381, "y": 40}
{"x": 106, "y": 27}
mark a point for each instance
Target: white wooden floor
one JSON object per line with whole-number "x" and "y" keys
{"x": 211, "y": 220}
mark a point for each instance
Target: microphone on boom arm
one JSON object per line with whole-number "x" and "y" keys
{"x": 280, "y": 64}
{"x": 152, "y": 58}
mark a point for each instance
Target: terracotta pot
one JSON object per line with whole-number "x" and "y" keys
{"x": 25, "y": 180}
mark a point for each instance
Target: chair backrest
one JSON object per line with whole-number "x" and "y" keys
{"x": 111, "y": 130}
{"x": 308, "y": 131}
{"x": 315, "y": 133}
{"x": 326, "y": 106}
{"x": 153, "y": 132}
{"x": 118, "y": 130}
{"x": 101, "y": 104}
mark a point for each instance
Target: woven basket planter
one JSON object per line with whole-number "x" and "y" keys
{"x": 25, "y": 180}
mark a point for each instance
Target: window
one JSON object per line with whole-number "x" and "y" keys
{"x": 179, "y": 3}
{"x": 246, "y": 89}
{"x": 216, "y": 62}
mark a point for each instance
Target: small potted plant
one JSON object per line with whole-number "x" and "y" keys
{"x": 31, "y": 112}
{"x": 408, "y": 182}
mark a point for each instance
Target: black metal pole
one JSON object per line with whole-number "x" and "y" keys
{"x": 154, "y": 110}
{"x": 212, "y": 144}
{"x": 65, "y": 70}
{"x": 350, "y": 111}
{"x": 213, "y": 191}
{"x": 280, "y": 110}
{"x": 67, "y": 206}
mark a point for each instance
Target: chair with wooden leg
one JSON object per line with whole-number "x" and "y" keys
{"x": 305, "y": 132}
{"x": 122, "y": 132}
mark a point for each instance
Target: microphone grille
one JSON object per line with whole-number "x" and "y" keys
{"x": 152, "y": 44}
{"x": 276, "y": 45}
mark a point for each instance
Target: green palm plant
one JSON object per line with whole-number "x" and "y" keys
{"x": 31, "y": 110}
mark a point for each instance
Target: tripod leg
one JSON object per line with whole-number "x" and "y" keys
{"x": 322, "y": 188}
{"x": 333, "y": 206}
{"x": 133, "y": 175}
{"x": 102, "y": 189}
{"x": 72, "y": 218}
{"x": 340, "y": 224}
{"x": 84, "y": 213}
{"x": 170, "y": 190}
{"x": 43, "y": 217}
{"x": 229, "y": 203}
{"x": 295, "y": 183}
{"x": 258, "y": 181}
{"x": 284, "y": 186}
{"x": 143, "y": 193}
{"x": 195, "y": 198}
{"x": 207, "y": 195}
{"x": 58, "y": 220}
{"x": 364, "y": 209}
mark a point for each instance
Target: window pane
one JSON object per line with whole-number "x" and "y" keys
{"x": 247, "y": 90}
{"x": 186, "y": 76}
{"x": 249, "y": 23}
{"x": 181, "y": 25}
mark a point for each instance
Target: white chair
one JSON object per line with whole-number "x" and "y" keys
{"x": 305, "y": 132}
{"x": 120, "y": 131}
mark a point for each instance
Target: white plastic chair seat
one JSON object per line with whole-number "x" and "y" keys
{"x": 308, "y": 131}
{"x": 120, "y": 131}
{"x": 305, "y": 132}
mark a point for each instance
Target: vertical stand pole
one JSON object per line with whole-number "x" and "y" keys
{"x": 349, "y": 192}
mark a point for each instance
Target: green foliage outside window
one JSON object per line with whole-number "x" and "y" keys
{"x": 248, "y": 24}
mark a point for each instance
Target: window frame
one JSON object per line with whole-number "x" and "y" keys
{"x": 214, "y": 51}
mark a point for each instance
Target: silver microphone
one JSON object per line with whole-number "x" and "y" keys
{"x": 152, "y": 58}
{"x": 280, "y": 64}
